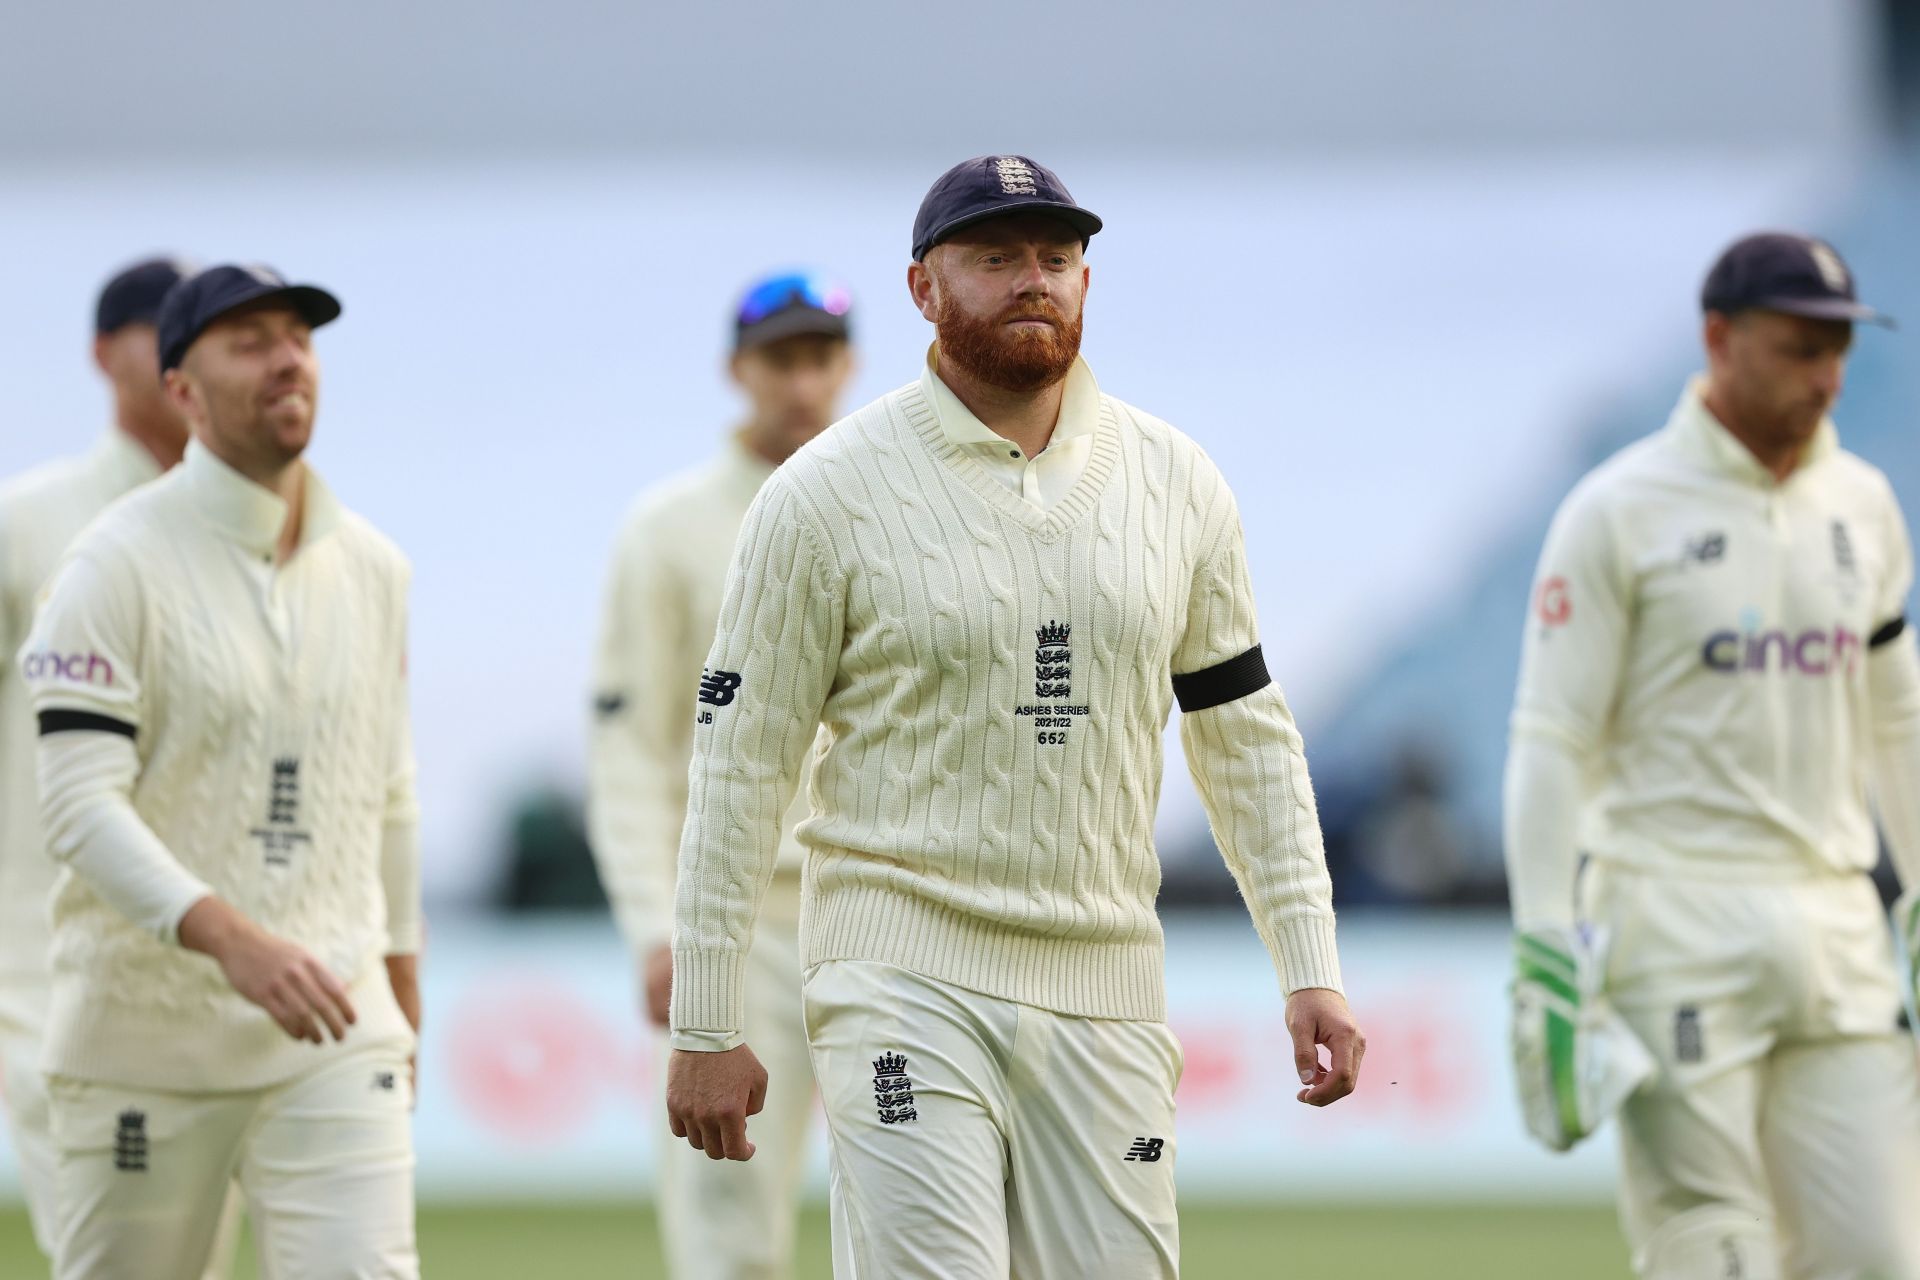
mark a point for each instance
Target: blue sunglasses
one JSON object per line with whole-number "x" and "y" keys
{"x": 799, "y": 289}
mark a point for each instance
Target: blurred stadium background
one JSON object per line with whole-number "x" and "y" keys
{"x": 1404, "y": 268}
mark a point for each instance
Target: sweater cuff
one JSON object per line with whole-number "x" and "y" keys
{"x": 708, "y": 991}
{"x": 1305, "y": 955}
{"x": 705, "y": 1041}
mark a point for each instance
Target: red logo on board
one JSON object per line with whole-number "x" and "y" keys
{"x": 1555, "y": 604}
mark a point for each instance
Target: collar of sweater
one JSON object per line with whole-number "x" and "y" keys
{"x": 1707, "y": 439}
{"x": 251, "y": 514}
{"x": 1079, "y": 407}
{"x": 119, "y": 456}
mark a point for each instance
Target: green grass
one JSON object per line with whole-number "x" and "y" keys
{"x": 1426, "y": 1243}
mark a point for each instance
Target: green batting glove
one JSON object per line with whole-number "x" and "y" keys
{"x": 1574, "y": 1059}
{"x": 1906, "y": 919}
{"x": 1546, "y": 1019}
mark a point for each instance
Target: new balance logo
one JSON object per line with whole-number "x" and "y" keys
{"x": 1842, "y": 548}
{"x": 1146, "y": 1150}
{"x": 1708, "y": 548}
{"x": 717, "y": 687}
{"x": 892, "y": 1091}
{"x": 130, "y": 1143}
{"x": 384, "y": 1081}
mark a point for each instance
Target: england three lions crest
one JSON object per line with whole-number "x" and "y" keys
{"x": 1053, "y": 661}
{"x": 1052, "y": 711}
{"x": 892, "y": 1090}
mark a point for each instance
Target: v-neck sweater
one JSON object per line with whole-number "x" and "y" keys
{"x": 994, "y": 680}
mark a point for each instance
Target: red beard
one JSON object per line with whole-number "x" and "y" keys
{"x": 1017, "y": 360}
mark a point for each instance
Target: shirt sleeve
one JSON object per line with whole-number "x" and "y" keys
{"x": 774, "y": 658}
{"x": 1572, "y": 655}
{"x": 1250, "y": 766}
{"x": 81, "y": 666}
{"x": 636, "y": 769}
{"x": 400, "y": 827}
{"x": 1893, "y": 698}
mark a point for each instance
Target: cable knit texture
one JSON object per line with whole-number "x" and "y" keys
{"x": 663, "y": 594}
{"x": 40, "y": 513}
{"x": 269, "y": 711}
{"x": 994, "y": 680}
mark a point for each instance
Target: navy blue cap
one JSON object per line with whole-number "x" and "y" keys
{"x": 1783, "y": 271}
{"x": 199, "y": 300}
{"x": 990, "y": 187}
{"x": 134, "y": 294}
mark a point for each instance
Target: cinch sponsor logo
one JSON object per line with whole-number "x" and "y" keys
{"x": 81, "y": 668}
{"x": 1814, "y": 653}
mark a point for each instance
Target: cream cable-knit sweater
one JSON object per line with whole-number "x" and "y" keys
{"x": 241, "y": 727}
{"x": 40, "y": 513}
{"x": 663, "y": 594}
{"x": 994, "y": 680}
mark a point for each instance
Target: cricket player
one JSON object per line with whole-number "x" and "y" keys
{"x": 1717, "y": 672}
{"x": 791, "y": 359}
{"x": 40, "y": 512}
{"x": 218, "y": 674}
{"x": 990, "y": 587}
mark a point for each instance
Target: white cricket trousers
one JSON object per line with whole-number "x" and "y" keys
{"x": 734, "y": 1220}
{"x": 22, "y": 1021}
{"x": 23, "y": 1016}
{"x": 979, "y": 1139}
{"x": 1780, "y": 1137}
{"x": 325, "y": 1162}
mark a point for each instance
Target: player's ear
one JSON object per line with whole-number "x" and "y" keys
{"x": 100, "y": 352}
{"x": 1713, "y": 332}
{"x": 921, "y": 287}
{"x": 181, "y": 393}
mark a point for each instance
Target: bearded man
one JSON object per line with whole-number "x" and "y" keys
{"x": 226, "y": 767}
{"x": 983, "y": 593}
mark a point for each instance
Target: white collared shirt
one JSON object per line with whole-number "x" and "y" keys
{"x": 211, "y": 721}
{"x": 1047, "y": 476}
{"x": 40, "y": 513}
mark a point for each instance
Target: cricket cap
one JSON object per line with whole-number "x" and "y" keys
{"x": 1782, "y": 271}
{"x": 134, "y": 294}
{"x": 199, "y": 300}
{"x": 992, "y": 187}
{"x": 787, "y": 304}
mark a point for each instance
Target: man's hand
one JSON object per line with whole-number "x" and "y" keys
{"x": 280, "y": 976}
{"x": 656, "y": 983}
{"x": 710, "y": 1096}
{"x": 403, "y": 975}
{"x": 1315, "y": 1017}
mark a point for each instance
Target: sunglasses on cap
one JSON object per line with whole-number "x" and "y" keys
{"x": 801, "y": 289}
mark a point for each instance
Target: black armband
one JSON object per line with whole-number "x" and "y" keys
{"x": 1231, "y": 680}
{"x": 83, "y": 721}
